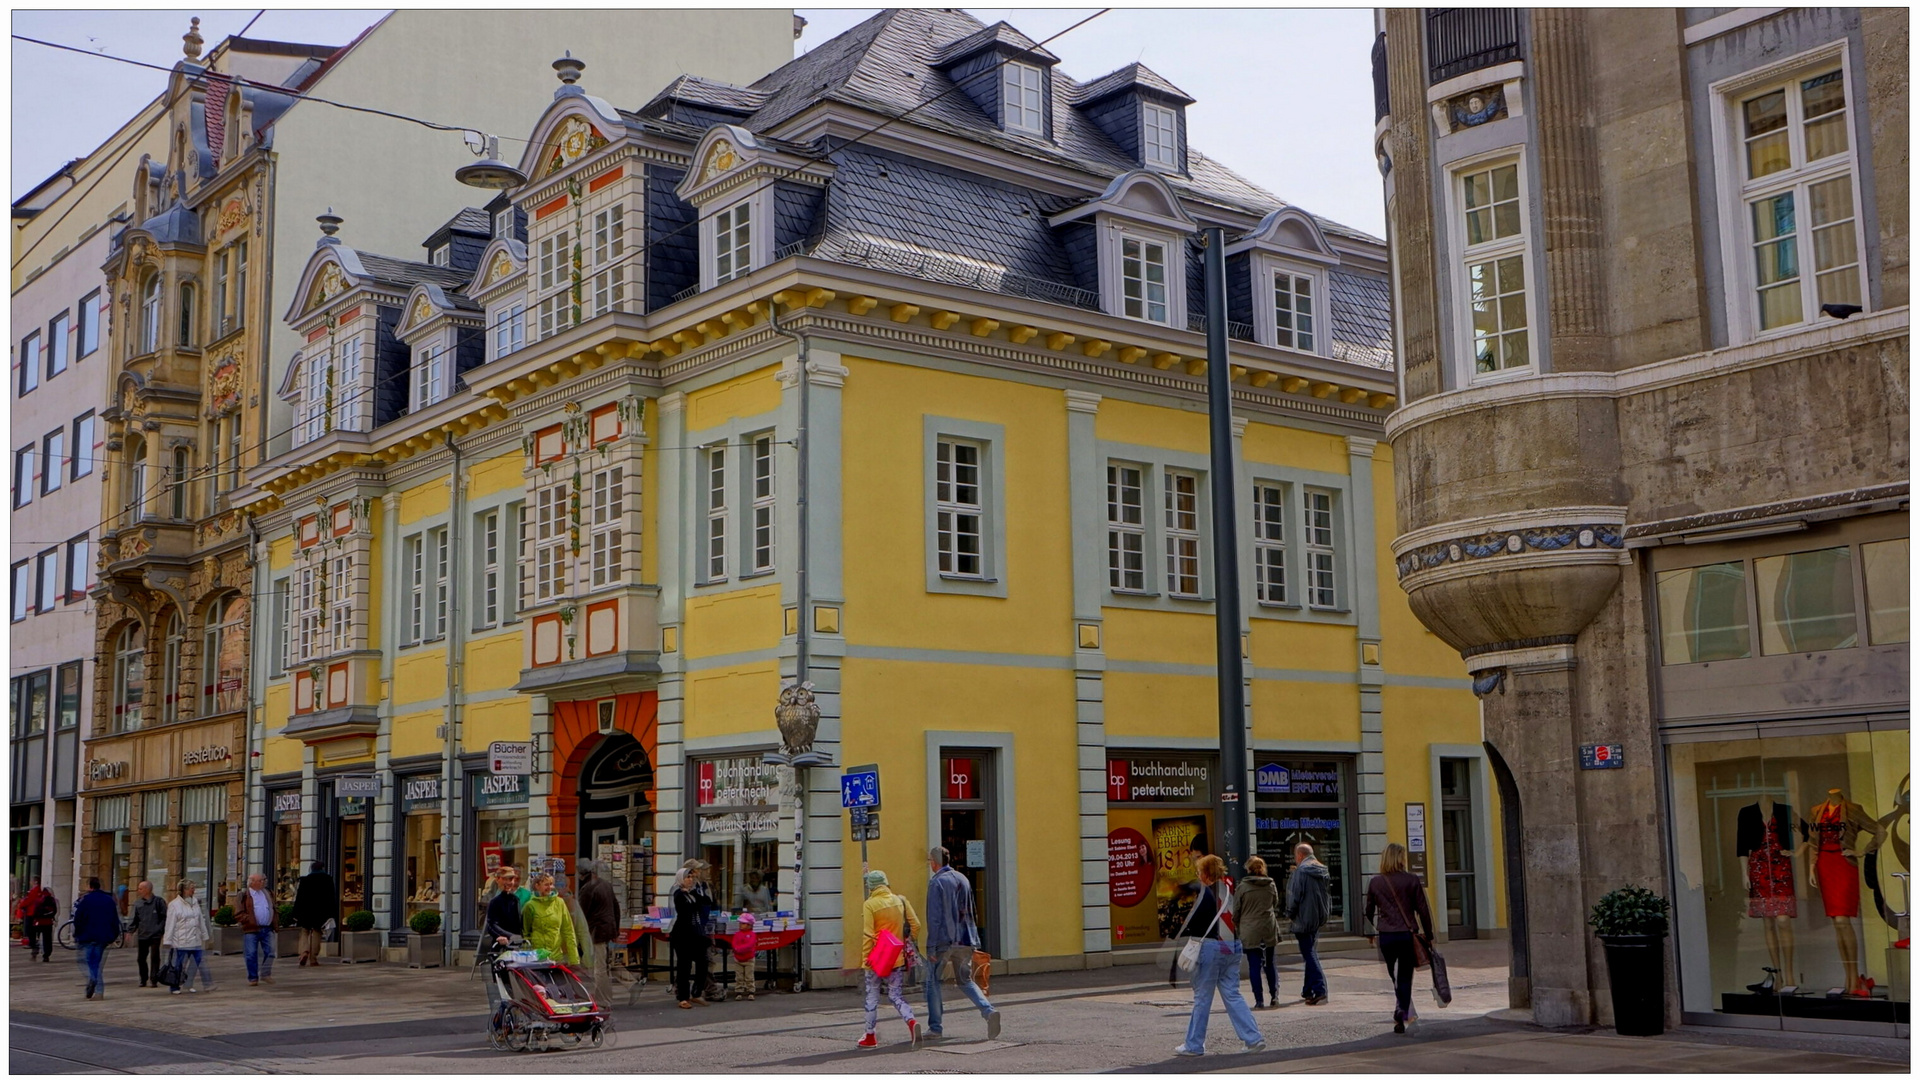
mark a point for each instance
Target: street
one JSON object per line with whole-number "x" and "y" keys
{"x": 385, "y": 1018}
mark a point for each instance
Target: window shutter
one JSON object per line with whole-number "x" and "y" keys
{"x": 203, "y": 804}
{"x": 112, "y": 813}
{"x": 153, "y": 809}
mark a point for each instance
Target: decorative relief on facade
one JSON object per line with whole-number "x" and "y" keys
{"x": 1477, "y": 107}
{"x": 331, "y": 284}
{"x": 719, "y": 160}
{"x": 223, "y": 385}
{"x": 502, "y": 266}
{"x": 1495, "y": 544}
{"x": 575, "y": 140}
{"x": 231, "y": 216}
{"x": 422, "y": 311}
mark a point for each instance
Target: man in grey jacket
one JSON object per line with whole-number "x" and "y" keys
{"x": 149, "y": 924}
{"x": 1307, "y": 904}
{"x": 952, "y": 937}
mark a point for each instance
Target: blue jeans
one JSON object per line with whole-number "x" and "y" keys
{"x": 191, "y": 960}
{"x": 1260, "y": 966}
{"x": 92, "y": 953}
{"x": 1219, "y": 970}
{"x": 259, "y": 949}
{"x": 1316, "y": 981}
{"x": 961, "y": 957}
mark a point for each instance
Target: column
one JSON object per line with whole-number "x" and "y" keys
{"x": 1370, "y": 777}
{"x": 825, "y": 851}
{"x": 1570, "y": 205}
{"x": 1086, "y": 480}
{"x": 540, "y": 825}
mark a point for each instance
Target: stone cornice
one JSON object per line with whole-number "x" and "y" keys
{"x": 1659, "y": 375}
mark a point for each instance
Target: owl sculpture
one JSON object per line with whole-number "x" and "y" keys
{"x": 798, "y": 718}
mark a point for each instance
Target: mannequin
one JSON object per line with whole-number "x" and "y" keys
{"x": 1764, "y": 844}
{"x": 1832, "y": 829}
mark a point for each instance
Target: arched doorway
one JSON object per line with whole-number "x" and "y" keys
{"x": 1513, "y": 833}
{"x": 615, "y": 795}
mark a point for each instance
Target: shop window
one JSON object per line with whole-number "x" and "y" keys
{"x": 1886, "y": 568}
{"x": 1160, "y": 820}
{"x": 498, "y": 837}
{"x": 738, "y": 817}
{"x": 153, "y": 820}
{"x": 1703, "y": 613}
{"x": 285, "y": 838}
{"x": 420, "y": 867}
{"x": 1307, "y": 801}
{"x": 352, "y": 837}
{"x": 1806, "y": 601}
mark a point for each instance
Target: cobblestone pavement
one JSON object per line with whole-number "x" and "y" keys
{"x": 380, "y": 1018}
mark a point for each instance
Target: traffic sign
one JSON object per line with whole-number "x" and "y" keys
{"x": 510, "y": 757}
{"x": 860, "y": 786}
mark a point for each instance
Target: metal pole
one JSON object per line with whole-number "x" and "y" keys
{"x": 1235, "y": 837}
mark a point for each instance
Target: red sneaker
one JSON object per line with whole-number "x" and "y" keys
{"x": 913, "y": 1033}
{"x": 868, "y": 1041}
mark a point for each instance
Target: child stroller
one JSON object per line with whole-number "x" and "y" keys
{"x": 542, "y": 1002}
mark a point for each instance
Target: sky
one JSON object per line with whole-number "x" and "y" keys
{"x": 1283, "y": 96}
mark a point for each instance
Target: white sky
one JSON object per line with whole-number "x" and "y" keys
{"x": 1284, "y": 96}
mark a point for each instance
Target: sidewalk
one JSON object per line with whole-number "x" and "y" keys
{"x": 387, "y": 1018}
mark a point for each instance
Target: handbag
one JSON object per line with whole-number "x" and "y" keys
{"x": 1189, "y": 958}
{"x": 1442, "y": 989}
{"x": 889, "y": 951}
{"x": 170, "y": 975}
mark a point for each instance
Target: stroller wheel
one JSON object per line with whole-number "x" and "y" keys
{"x": 512, "y": 1027}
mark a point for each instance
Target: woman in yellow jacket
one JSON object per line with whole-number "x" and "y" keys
{"x": 547, "y": 924}
{"x": 885, "y": 910}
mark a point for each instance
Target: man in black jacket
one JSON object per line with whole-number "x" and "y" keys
{"x": 149, "y": 925}
{"x": 601, "y": 906}
{"x": 315, "y": 901}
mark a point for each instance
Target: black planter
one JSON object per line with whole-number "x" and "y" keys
{"x": 1636, "y": 972}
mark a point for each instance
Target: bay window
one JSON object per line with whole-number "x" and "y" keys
{"x": 1490, "y": 223}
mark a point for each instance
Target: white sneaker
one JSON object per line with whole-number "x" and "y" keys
{"x": 1253, "y": 1047}
{"x": 1182, "y": 1051}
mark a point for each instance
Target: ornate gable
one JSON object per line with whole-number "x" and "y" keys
{"x": 573, "y": 139}
{"x": 330, "y": 283}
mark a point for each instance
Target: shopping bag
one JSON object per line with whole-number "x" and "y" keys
{"x": 982, "y": 969}
{"x": 887, "y": 950}
{"x": 170, "y": 975}
{"x": 1442, "y": 990}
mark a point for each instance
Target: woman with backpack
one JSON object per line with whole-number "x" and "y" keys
{"x": 888, "y": 928}
{"x": 1215, "y": 952}
{"x": 1395, "y": 900}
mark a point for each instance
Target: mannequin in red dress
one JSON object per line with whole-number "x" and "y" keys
{"x": 1833, "y": 827}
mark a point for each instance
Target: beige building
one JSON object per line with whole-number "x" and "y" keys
{"x": 1651, "y": 460}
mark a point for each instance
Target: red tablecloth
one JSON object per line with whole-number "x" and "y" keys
{"x": 763, "y": 941}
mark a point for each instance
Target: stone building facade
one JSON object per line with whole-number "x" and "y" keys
{"x": 1651, "y": 463}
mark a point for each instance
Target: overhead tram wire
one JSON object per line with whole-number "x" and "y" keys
{"x": 202, "y": 472}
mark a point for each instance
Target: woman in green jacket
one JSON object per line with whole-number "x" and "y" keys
{"x": 547, "y": 924}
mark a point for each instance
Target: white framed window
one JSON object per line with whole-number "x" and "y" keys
{"x": 1159, "y": 137}
{"x": 429, "y": 374}
{"x": 486, "y": 560}
{"x": 279, "y": 650}
{"x": 714, "y": 468}
{"x": 1296, "y": 311}
{"x": 339, "y": 601}
{"x": 761, "y": 505}
{"x": 438, "y": 551}
{"x": 553, "y": 283}
{"x": 239, "y": 284}
{"x": 609, "y": 259}
{"x": 1144, "y": 279}
{"x": 442, "y": 255}
{"x": 1126, "y": 528}
{"x": 607, "y": 502}
{"x": 550, "y": 537}
{"x": 1182, "y": 533}
{"x": 503, "y": 223}
{"x": 306, "y": 613}
{"x": 1793, "y": 163}
{"x": 509, "y": 330}
{"x": 1270, "y": 543}
{"x": 223, "y": 657}
{"x": 1317, "y": 509}
{"x": 1022, "y": 99}
{"x": 732, "y": 242}
{"x": 351, "y": 402}
{"x": 959, "y": 510}
{"x": 1490, "y": 223}
{"x": 414, "y": 565}
{"x": 316, "y": 389}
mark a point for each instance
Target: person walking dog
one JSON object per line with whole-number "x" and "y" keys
{"x": 1218, "y": 967}
{"x": 1307, "y": 903}
{"x": 316, "y": 902}
{"x": 1256, "y": 915}
{"x": 259, "y": 918}
{"x": 887, "y": 929}
{"x": 186, "y": 935}
{"x": 1395, "y": 899}
{"x": 96, "y": 922}
{"x": 952, "y": 938}
{"x": 149, "y": 926}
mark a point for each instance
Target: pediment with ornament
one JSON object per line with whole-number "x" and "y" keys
{"x": 575, "y": 138}
{"x": 331, "y": 282}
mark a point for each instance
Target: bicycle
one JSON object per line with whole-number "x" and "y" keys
{"x": 63, "y": 937}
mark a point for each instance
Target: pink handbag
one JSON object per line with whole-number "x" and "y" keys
{"x": 887, "y": 950}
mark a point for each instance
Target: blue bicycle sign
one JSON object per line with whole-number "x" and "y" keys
{"x": 860, "y": 786}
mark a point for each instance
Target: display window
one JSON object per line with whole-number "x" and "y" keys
{"x": 1160, "y": 821}
{"x": 356, "y": 855}
{"x": 284, "y": 835}
{"x": 420, "y": 844}
{"x": 1791, "y": 853}
{"x": 736, "y": 801}
{"x": 499, "y": 835}
{"x": 1306, "y": 800}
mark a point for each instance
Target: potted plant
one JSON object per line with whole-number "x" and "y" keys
{"x": 360, "y": 943}
{"x": 1631, "y": 923}
{"x": 286, "y": 940}
{"x": 426, "y": 944}
{"x": 228, "y": 938}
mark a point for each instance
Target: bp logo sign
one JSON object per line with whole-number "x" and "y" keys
{"x": 1272, "y": 779}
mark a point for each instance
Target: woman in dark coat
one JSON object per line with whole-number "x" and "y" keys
{"x": 689, "y": 936}
{"x": 315, "y": 903}
{"x": 1397, "y": 909}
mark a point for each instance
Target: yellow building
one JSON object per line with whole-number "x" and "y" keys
{"x": 550, "y": 490}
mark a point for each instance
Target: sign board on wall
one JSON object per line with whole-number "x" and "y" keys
{"x": 1603, "y": 756}
{"x": 1160, "y": 779}
{"x": 1130, "y": 867}
{"x": 963, "y": 780}
{"x": 356, "y": 787}
{"x": 736, "y": 781}
{"x": 1417, "y": 838}
{"x": 510, "y": 757}
{"x": 500, "y": 790}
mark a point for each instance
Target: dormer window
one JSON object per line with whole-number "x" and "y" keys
{"x": 429, "y": 374}
{"x": 503, "y": 224}
{"x": 442, "y": 255}
{"x": 732, "y": 243}
{"x": 1296, "y": 311}
{"x": 1020, "y": 99}
{"x": 1143, "y": 279}
{"x": 1159, "y": 137}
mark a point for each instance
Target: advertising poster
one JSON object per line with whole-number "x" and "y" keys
{"x": 1178, "y": 842}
